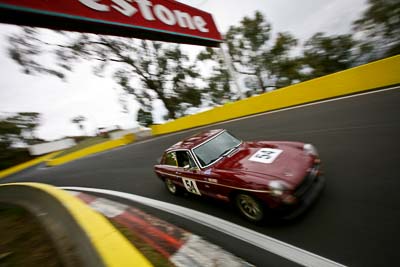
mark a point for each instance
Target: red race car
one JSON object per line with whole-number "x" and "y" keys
{"x": 259, "y": 178}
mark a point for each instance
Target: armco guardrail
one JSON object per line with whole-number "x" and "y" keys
{"x": 377, "y": 74}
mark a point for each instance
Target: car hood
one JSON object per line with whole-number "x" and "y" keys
{"x": 269, "y": 160}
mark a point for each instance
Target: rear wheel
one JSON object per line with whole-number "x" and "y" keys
{"x": 171, "y": 187}
{"x": 249, "y": 207}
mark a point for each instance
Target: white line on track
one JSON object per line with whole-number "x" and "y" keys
{"x": 267, "y": 243}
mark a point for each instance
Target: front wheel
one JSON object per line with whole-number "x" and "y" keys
{"x": 249, "y": 207}
{"x": 171, "y": 187}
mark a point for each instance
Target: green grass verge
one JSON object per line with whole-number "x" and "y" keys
{"x": 23, "y": 242}
{"x": 83, "y": 144}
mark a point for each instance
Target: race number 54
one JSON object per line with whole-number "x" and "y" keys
{"x": 266, "y": 155}
{"x": 191, "y": 186}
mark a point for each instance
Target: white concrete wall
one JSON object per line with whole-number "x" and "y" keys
{"x": 119, "y": 134}
{"x": 143, "y": 134}
{"x": 140, "y": 133}
{"x": 45, "y": 148}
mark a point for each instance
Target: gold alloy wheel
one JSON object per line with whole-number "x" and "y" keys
{"x": 249, "y": 207}
{"x": 171, "y": 186}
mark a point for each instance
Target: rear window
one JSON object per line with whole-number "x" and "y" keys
{"x": 170, "y": 159}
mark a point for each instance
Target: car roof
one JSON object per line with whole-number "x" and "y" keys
{"x": 194, "y": 140}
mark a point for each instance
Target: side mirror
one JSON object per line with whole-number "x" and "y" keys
{"x": 186, "y": 167}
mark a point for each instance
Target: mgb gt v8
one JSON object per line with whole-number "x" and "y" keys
{"x": 259, "y": 177}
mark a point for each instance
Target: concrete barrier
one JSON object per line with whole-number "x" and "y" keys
{"x": 138, "y": 132}
{"x": 44, "y": 148}
{"x": 377, "y": 74}
{"x": 128, "y": 138}
{"x": 119, "y": 134}
{"x": 142, "y": 134}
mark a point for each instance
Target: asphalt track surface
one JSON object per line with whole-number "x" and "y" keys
{"x": 355, "y": 222}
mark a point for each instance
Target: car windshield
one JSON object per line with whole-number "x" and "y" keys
{"x": 215, "y": 148}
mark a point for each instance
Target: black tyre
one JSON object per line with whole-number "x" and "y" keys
{"x": 249, "y": 207}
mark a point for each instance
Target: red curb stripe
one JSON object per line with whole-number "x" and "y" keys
{"x": 146, "y": 238}
{"x": 157, "y": 232}
{"x": 164, "y": 237}
{"x": 170, "y": 229}
{"x": 159, "y": 240}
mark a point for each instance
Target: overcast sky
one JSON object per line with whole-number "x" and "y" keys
{"x": 98, "y": 98}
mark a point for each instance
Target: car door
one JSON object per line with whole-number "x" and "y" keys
{"x": 170, "y": 168}
{"x": 196, "y": 180}
{"x": 216, "y": 185}
{"x": 187, "y": 172}
{"x": 180, "y": 168}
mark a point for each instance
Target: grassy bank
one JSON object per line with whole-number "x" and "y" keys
{"x": 23, "y": 242}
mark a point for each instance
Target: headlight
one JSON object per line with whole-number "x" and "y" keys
{"x": 277, "y": 188}
{"x": 310, "y": 149}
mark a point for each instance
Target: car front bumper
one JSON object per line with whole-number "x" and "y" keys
{"x": 306, "y": 199}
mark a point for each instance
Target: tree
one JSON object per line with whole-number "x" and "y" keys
{"x": 324, "y": 55}
{"x": 282, "y": 67}
{"x": 218, "y": 89}
{"x": 19, "y": 129}
{"x": 146, "y": 69}
{"x": 9, "y": 133}
{"x": 78, "y": 120}
{"x": 144, "y": 118}
{"x": 379, "y": 27}
{"x": 254, "y": 53}
{"x": 27, "y": 122}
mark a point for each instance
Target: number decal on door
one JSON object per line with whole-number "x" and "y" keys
{"x": 191, "y": 186}
{"x": 266, "y": 155}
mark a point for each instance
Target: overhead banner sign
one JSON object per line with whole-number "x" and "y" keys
{"x": 164, "y": 20}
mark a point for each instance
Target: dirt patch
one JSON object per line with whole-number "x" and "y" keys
{"x": 23, "y": 242}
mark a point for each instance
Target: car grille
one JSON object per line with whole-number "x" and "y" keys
{"x": 307, "y": 182}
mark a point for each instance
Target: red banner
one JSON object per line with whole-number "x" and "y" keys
{"x": 150, "y": 19}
